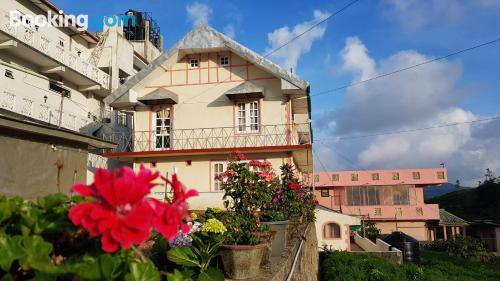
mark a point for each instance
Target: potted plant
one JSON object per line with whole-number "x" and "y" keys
{"x": 245, "y": 192}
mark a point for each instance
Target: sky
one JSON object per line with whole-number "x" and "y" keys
{"x": 370, "y": 38}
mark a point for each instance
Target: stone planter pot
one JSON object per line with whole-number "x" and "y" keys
{"x": 280, "y": 238}
{"x": 242, "y": 261}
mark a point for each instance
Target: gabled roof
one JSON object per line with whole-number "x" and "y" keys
{"x": 159, "y": 96}
{"x": 203, "y": 37}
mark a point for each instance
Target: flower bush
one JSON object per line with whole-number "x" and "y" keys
{"x": 298, "y": 200}
{"x": 247, "y": 189}
{"x": 96, "y": 236}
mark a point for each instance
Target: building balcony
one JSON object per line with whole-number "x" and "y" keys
{"x": 35, "y": 108}
{"x": 419, "y": 212}
{"x": 35, "y": 46}
{"x": 275, "y": 136}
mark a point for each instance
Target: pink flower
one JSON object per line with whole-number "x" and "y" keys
{"x": 230, "y": 172}
{"x": 275, "y": 200}
{"x": 266, "y": 164}
{"x": 267, "y": 176}
{"x": 255, "y": 163}
{"x": 279, "y": 191}
{"x": 240, "y": 156}
{"x": 122, "y": 214}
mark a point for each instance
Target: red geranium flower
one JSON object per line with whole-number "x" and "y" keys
{"x": 171, "y": 217}
{"x": 121, "y": 213}
{"x": 294, "y": 186}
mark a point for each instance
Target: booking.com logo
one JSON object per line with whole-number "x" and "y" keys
{"x": 80, "y": 22}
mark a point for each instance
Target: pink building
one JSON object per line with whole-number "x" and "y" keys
{"x": 393, "y": 199}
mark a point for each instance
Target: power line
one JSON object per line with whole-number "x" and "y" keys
{"x": 414, "y": 130}
{"x": 285, "y": 44}
{"x": 312, "y": 27}
{"x": 407, "y": 68}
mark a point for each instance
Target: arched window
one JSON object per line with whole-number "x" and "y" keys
{"x": 331, "y": 230}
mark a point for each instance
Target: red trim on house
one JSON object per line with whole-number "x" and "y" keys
{"x": 197, "y": 84}
{"x": 207, "y": 150}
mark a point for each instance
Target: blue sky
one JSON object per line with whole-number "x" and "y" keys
{"x": 369, "y": 38}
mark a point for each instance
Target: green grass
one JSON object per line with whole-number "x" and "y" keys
{"x": 436, "y": 266}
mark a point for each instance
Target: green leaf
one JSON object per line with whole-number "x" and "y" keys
{"x": 10, "y": 251}
{"x": 183, "y": 256}
{"x": 7, "y": 277}
{"x": 37, "y": 253}
{"x": 176, "y": 276}
{"x": 143, "y": 272}
{"x": 51, "y": 201}
{"x": 105, "y": 267}
{"x": 212, "y": 274}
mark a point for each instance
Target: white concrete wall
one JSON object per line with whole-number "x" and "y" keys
{"x": 326, "y": 216}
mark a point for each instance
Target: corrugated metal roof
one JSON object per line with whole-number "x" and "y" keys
{"x": 447, "y": 218}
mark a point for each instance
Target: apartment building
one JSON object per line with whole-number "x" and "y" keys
{"x": 393, "y": 199}
{"x": 205, "y": 98}
{"x": 59, "y": 76}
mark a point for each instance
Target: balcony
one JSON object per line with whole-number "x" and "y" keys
{"x": 37, "y": 47}
{"x": 211, "y": 138}
{"x": 72, "y": 118}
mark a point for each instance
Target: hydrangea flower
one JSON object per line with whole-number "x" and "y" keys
{"x": 213, "y": 225}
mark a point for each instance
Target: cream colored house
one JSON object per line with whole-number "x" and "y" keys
{"x": 59, "y": 76}
{"x": 205, "y": 98}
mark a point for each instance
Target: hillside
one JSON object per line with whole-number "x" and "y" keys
{"x": 473, "y": 204}
{"x": 435, "y": 191}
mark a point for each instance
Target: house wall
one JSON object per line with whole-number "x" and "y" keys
{"x": 34, "y": 170}
{"x": 416, "y": 229}
{"x": 326, "y": 216}
{"x": 202, "y": 103}
{"x": 198, "y": 174}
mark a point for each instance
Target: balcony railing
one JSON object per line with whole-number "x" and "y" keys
{"x": 207, "y": 138}
{"x": 395, "y": 212}
{"x": 42, "y": 43}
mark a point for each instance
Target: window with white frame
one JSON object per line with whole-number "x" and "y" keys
{"x": 248, "y": 116}
{"x": 193, "y": 63}
{"x": 224, "y": 60}
{"x": 121, "y": 118}
{"x": 218, "y": 168}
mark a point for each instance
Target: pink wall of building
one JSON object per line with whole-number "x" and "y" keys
{"x": 415, "y": 209}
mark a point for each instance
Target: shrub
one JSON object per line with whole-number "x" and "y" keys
{"x": 369, "y": 230}
{"x": 465, "y": 247}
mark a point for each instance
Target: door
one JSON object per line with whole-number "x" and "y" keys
{"x": 163, "y": 129}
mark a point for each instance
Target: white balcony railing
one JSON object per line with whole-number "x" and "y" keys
{"x": 207, "y": 138}
{"x": 39, "y": 110}
{"x": 42, "y": 43}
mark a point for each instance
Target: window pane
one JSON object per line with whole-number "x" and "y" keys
{"x": 400, "y": 194}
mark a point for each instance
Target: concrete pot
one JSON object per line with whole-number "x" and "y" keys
{"x": 280, "y": 238}
{"x": 242, "y": 261}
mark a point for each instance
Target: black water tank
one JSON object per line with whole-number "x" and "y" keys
{"x": 406, "y": 244}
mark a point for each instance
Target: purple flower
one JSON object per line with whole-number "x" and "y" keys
{"x": 181, "y": 240}
{"x": 301, "y": 194}
{"x": 279, "y": 191}
{"x": 275, "y": 200}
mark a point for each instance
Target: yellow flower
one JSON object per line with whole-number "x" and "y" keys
{"x": 194, "y": 216}
{"x": 213, "y": 225}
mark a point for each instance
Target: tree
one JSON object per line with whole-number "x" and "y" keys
{"x": 457, "y": 184}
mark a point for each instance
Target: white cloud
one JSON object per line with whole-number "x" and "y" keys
{"x": 229, "y": 30}
{"x": 417, "y": 14}
{"x": 198, "y": 12}
{"x": 289, "y": 55}
{"x": 417, "y": 98}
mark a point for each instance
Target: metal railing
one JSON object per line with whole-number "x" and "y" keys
{"x": 207, "y": 138}
{"x": 41, "y": 42}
